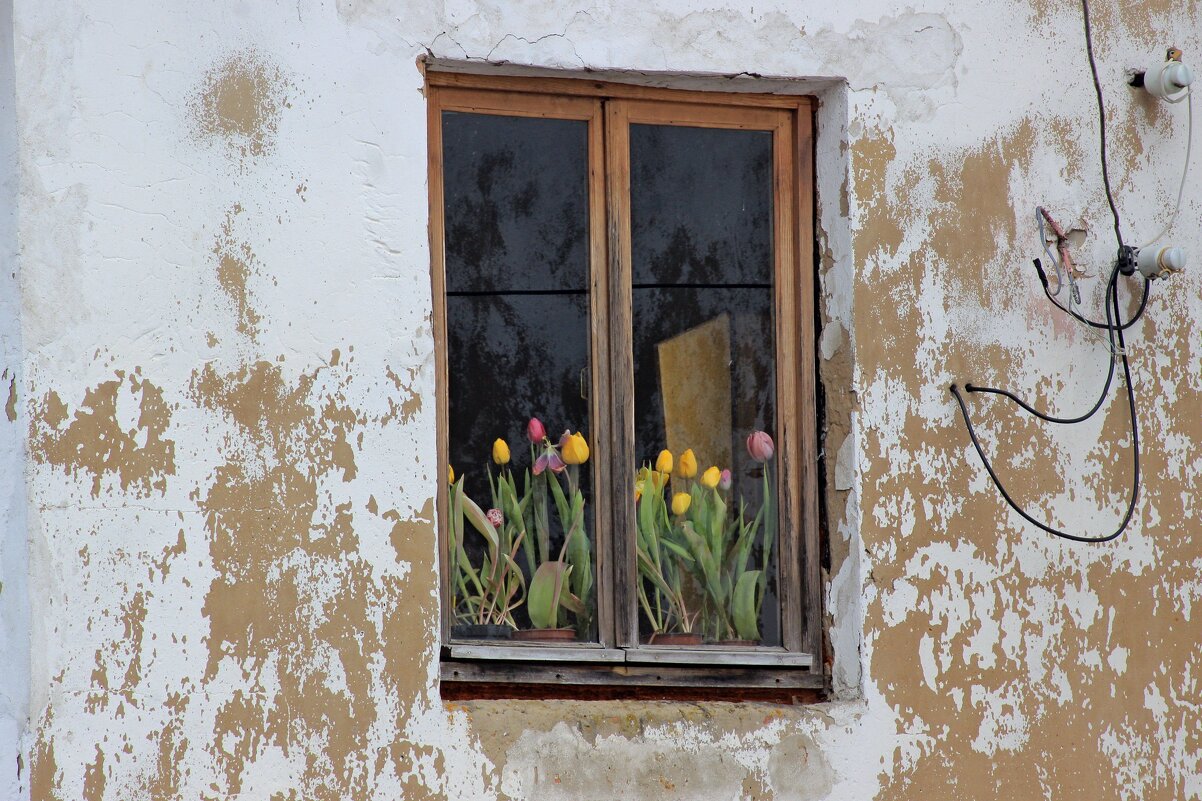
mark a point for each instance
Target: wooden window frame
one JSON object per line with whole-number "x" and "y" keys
{"x": 618, "y": 659}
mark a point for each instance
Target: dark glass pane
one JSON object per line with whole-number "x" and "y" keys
{"x": 705, "y": 375}
{"x": 701, "y": 202}
{"x": 516, "y": 195}
{"x": 516, "y": 191}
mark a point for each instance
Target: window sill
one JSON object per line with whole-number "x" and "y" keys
{"x": 468, "y": 679}
{"x": 644, "y": 655}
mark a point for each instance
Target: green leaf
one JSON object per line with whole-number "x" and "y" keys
{"x": 475, "y": 515}
{"x": 540, "y": 600}
{"x": 746, "y": 618}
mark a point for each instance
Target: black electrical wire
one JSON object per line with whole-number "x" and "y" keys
{"x": 1114, "y": 327}
{"x": 1139, "y": 312}
{"x": 1111, "y": 290}
{"x": 1097, "y": 87}
{"x": 1135, "y": 474}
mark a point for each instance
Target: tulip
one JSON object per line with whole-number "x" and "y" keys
{"x": 575, "y": 450}
{"x": 710, "y": 478}
{"x": 535, "y": 431}
{"x": 680, "y": 503}
{"x": 550, "y": 459}
{"x": 450, "y": 475}
{"x": 664, "y": 463}
{"x": 759, "y": 446}
{"x": 687, "y": 466}
{"x": 495, "y": 517}
{"x": 564, "y": 437}
{"x": 724, "y": 481}
{"x": 500, "y": 452}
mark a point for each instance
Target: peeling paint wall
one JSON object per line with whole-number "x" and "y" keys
{"x": 217, "y": 526}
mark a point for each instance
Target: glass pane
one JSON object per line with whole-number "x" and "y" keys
{"x": 705, "y": 383}
{"x": 516, "y": 216}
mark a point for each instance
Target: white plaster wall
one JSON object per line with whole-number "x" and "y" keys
{"x": 126, "y": 203}
{"x": 14, "y": 566}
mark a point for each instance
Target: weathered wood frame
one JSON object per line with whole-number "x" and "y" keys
{"x": 610, "y": 108}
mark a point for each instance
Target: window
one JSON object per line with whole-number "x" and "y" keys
{"x": 624, "y": 325}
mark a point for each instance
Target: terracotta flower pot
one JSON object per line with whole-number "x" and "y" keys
{"x": 663, "y": 638}
{"x": 556, "y": 635}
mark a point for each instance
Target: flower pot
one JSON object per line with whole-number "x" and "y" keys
{"x": 663, "y": 638}
{"x": 557, "y": 635}
{"x": 480, "y": 631}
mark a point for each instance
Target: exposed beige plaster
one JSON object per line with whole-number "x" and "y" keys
{"x": 236, "y": 266}
{"x": 239, "y": 103}
{"x": 10, "y": 405}
{"x": 92, "y": 441}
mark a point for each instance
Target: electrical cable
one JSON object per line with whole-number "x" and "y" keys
{"x": 1097, "y": 86}
{"x": 1135, "y": 471}
{"x": 1043, "y": 240}
{"x": 1114, "y": 327}
{"x": 1111, "y": 289}
{"x": 1189, "y": 146}
{"x": 1139, "y": 312}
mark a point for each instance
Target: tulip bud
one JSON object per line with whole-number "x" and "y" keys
{"x": 535, "y": 432}
{"x": 564, "y": 437}
{"x": 680, "y": 503}
{"x": 724, "y": 481}
{"x": 495, "y": 517}
{"x": 500, "y": 452}
{"x": 664, "y": 463}
{"x": 687, "y": 466}
{"x": 759, "y": 446}
{"x": 710, "y": 478}
{"x": 450, "y": 475}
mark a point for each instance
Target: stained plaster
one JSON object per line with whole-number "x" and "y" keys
{"x": 223, "y": 376}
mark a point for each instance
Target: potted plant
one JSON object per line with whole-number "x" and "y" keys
{"x": 560, "y": 588}
{"x": 664, "y": 560}
{"x": 703, "y": 542}
{"x": 483, "y": 598}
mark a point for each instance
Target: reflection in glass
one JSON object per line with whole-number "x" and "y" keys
{"x": 517, "y": 312}
{"x": 705, "y": 383}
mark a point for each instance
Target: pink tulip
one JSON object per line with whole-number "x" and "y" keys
{"x": 549, "y": 459}
{"x": 495, "y": 517}
{"x": 724, "y": 480}
{"x": 535, "y": 431}
{"x": 759, "y": 446}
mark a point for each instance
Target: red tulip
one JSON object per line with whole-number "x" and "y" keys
{"x": 495, "y": 517}
{"x": 535, "y": 431}
{"x": 760, "y": 447}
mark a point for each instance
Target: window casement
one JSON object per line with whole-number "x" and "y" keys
{"x": 623, "y": 279}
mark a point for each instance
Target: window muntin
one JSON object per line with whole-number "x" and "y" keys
{"x": 613, "y": 112}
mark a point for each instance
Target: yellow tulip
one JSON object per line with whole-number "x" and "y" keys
{"x": 711, "y": 477}
{"x": 500, "y": 452}
{"x": 680, "y": 503}
{"x": 687, "y": 466}
{"x": 575, "y": 450}
{"x": 450, "y": 475}
{"x": 664, "y": 463}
